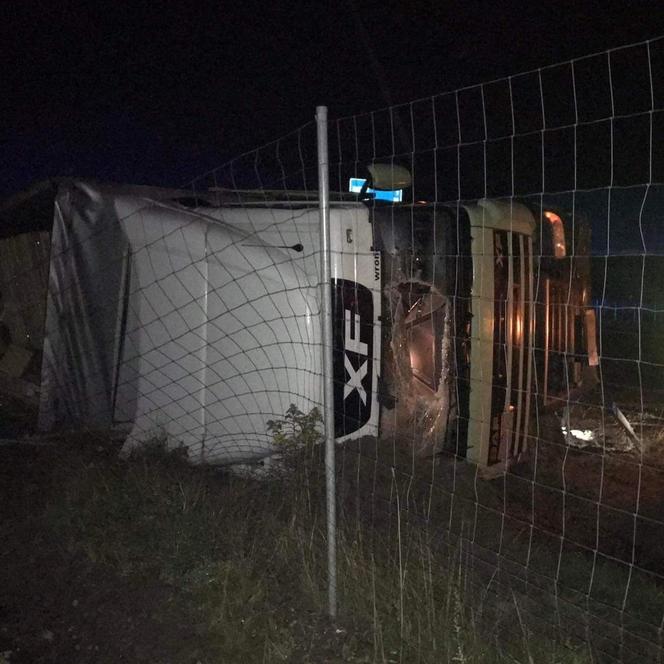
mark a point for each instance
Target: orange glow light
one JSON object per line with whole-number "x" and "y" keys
{"x": 557, "y": 233}
{"x": 518, "y": 332}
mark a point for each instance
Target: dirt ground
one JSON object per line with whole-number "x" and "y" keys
{"x": 58, "y": 606}
{"x": 604, "y": 499}
{"x": 581, "y": 524}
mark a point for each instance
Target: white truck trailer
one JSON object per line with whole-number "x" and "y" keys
{"x": 197, "y": 319}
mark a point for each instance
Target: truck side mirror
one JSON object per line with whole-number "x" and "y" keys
{"x": 389, "y": 177}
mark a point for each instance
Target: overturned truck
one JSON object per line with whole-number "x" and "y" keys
{"x": 487, "y": 314}
{"x": 154, "y": 313}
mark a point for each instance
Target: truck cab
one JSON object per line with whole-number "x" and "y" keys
{"x": 486, "y": 311}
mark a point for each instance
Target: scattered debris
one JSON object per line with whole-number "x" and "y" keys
{"x": 628, "y": 430}
{"x": 585, "y": 435}
{"x": 624, "y": 421}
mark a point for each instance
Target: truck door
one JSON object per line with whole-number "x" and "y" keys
{"x": 356, "y": 302}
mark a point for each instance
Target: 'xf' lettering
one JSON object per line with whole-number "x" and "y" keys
{"x": 353, "y": 344}
{"x": 355, "y": 379}
{"x": 352, "y": 341}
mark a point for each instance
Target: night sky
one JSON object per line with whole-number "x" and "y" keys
{"x": 145, "y": 93}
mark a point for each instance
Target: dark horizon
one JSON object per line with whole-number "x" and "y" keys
{"x": 158, "y": 98}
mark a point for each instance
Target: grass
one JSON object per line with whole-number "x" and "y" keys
{"x": 248, "y": 557}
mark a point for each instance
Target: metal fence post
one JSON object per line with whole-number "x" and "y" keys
{"x": 328, "y": 369}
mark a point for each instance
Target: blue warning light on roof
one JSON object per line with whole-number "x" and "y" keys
{"x": 395, "y": 196}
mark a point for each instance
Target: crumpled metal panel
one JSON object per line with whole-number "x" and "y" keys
{"x": 88, "y": 250}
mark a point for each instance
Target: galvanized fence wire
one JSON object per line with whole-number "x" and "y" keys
{"x": 555, "y": 398}
{"x": 497, "y": 333}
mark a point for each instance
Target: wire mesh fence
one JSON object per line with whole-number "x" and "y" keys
{"x": 535, "y": 207}
{"x": 498, "y": 374}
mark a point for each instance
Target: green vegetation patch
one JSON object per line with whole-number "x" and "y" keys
{"x": 246, "y": 557}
